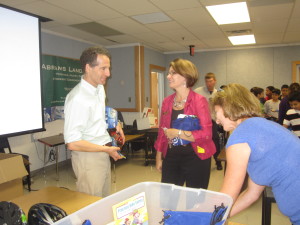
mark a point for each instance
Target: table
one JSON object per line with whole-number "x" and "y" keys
{"x": 131, "y": 137}
{"x": 53, "y": 142}
{"x": 68, "y": 200}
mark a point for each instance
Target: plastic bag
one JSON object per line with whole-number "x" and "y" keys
{"x": 189, "y": 123}
{"x": 201, "y": 218}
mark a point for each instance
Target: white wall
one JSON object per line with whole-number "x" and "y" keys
{"x": 250, "y": 67}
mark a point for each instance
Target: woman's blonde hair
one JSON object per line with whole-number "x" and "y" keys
{"x": 187, "y": 69}
{"x": 237, "y": 102}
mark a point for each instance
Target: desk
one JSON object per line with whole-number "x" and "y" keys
{"x": 53, "y": 142}
{"x": 68, "y": 200}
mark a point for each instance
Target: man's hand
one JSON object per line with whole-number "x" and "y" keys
{"x": 113, "y": 152}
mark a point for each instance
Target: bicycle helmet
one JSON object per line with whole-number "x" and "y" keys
{"x": 11, "y": 214}
{"x": 45, "y": 214}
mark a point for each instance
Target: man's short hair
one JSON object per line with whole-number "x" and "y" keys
{"x": 210, "y": 75}
{"x": 89, "y": 56}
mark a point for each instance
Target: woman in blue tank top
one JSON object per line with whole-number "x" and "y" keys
{"x": 269, "y": 153}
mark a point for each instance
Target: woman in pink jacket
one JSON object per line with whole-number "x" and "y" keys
{"x": 189, "y": 163}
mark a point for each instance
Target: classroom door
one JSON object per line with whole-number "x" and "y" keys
{"x": 156, "y": 92}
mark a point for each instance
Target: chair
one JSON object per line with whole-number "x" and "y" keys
{"x": 5, "y": 144}
{"x": 267, "y": 200}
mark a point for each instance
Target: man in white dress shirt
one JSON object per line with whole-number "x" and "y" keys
{"x": 208, "y": 92}
{"x": 85, "y": 129}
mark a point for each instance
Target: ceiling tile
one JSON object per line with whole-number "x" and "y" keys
{"x": 291, "y": 37}
{"x": 179, "y": 35}
{"x": 14, "y": 2}
{"x": 270, "y": 12}
{"x": 151, "y": 37}
{"x": 176, "y": 4}
{"x": 270, "y": 26}
{"x": 73, "y": 32}
{"x": 202, "y": 32}
{"x": 196, "y": 17}
{"x": 269, "y": 38}
{"x": 162, "y": 27}
{"x": 121, "y": 39}
{"x": 53, "y": 12}
{"x": 294, "y": 25}
{"x": 97, "y": 29}
{"x": 296, "y": 10}
{"x": 171, "y": 46}
{"x": 131, "y": 7}
{"x": 217, "y": 42}
{"x": 90, "y": 9}
{"x": 125, "y": 25}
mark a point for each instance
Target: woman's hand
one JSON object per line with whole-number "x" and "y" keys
{"x": 171, "y": 133}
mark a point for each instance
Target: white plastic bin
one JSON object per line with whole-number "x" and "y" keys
{"x": 159, "y": 196}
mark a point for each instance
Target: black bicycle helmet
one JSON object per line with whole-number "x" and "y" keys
{"x": 45, "y": 214}
{"x": 11, "y": 214}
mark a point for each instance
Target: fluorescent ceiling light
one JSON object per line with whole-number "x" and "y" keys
{"x": 229, "y": 13}
{"x": 152, "y": 18}
{"x": 242, "y": 39}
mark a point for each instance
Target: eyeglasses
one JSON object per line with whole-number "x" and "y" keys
{"x": 171, "y": 73}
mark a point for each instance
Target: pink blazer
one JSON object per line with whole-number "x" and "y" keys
{"x": 195, "y": 105}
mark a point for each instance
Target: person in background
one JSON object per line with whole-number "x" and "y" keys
{"x": 269, "y": 90}
{"x": 284, "y": 91}
{"x": 272, "y": 106}
{"x": 208, "y": 92}
{"x": 85, "y": 129}
{"x": 190, "y": 163}
{"x": 284, "y": 105}
{"x": 259, "y": 94}
{"x": 267, "y": 151}
{"x": 292, "y": 118}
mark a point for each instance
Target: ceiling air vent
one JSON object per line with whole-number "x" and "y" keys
{"x": 238, "y": 32}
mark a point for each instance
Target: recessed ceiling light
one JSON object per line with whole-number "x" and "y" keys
{"x": 152, "y": 18}
{"x": 229, "y": 13}
{"x": 242, "y": 39}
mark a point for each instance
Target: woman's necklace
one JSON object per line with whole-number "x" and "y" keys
{"x": 179, "y": 104}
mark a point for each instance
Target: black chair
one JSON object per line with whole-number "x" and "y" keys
{"x": 5, "y": 144}
{"x": 267, "y": 200}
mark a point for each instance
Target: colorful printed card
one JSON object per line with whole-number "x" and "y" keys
{"x": 132, "y": 211}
